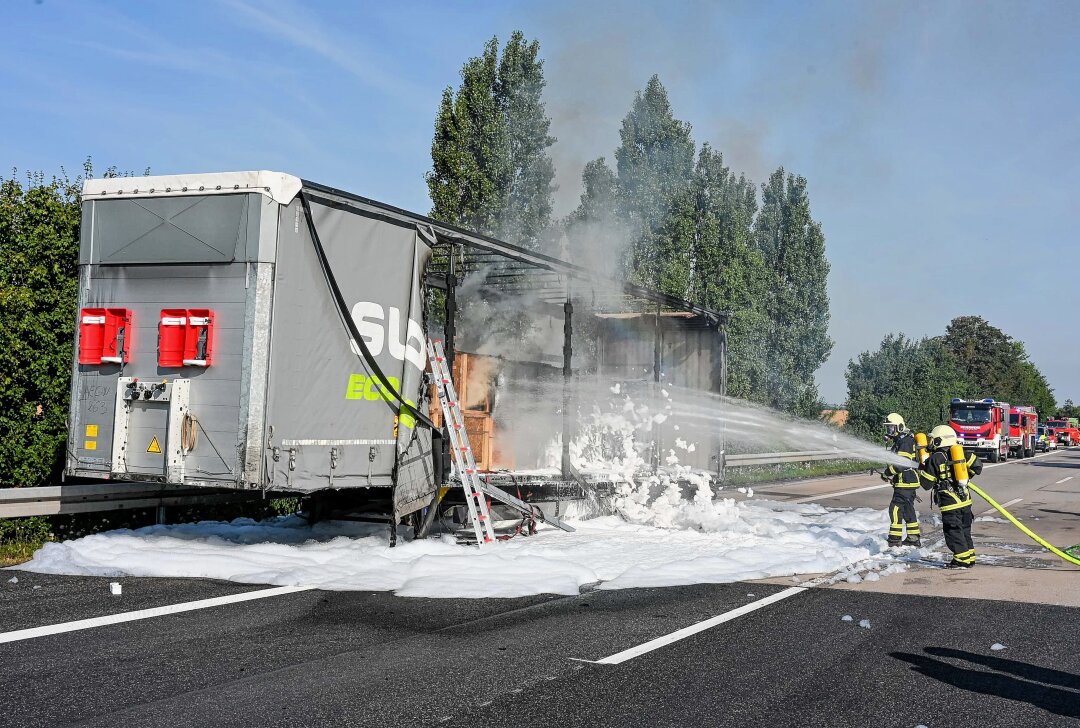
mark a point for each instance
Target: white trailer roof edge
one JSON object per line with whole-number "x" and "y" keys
{"x": 278, "y": 186}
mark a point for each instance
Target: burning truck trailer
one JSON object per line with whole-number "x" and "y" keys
{"x": 256, "y": 331}
{"x": 512, "y": 394}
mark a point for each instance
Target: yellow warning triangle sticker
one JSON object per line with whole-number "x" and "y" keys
{"x": 154, "y": 446}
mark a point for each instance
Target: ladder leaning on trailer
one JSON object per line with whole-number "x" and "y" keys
{"x": 476, "y": 490}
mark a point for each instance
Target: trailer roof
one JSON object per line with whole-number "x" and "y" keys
{"x": 513, "y": 269}
{"x": 509, "y": 268}
{"x": 278, "y": 186}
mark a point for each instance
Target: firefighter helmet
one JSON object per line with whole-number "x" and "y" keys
{"x": 894, "y": 425}
{"x": 942, "y": 437}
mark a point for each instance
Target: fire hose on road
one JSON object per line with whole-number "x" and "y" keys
{"x": 1035, "y": 537}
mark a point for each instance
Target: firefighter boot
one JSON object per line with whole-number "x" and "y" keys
{"x": 913, "y": 541}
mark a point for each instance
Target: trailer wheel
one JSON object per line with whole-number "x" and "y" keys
{"x": 1029, "y": 453}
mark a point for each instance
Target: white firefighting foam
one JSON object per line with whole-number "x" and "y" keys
{"x": 661, "y": 542}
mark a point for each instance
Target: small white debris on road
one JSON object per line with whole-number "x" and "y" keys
{"x": 115, "y": 589}
{"x": 13, "y": 580}
{"x": 997, "y": 646}
{"x": 864, "y": 623}
{"x": 847, "y": 618}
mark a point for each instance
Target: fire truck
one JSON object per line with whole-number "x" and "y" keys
{"x": 1064, "y": 430}
{"x": 982, "y": 427}
{"x": 1023, "y": 431}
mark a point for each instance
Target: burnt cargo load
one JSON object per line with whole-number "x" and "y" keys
{"x": 210, "y": 350}
{"x": 252, "y": 330}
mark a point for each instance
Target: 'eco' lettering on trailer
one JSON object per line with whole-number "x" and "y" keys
{"x": 369, "y": 317}
{"x": 371, "y": 389}
{"x": 362, "y": 386}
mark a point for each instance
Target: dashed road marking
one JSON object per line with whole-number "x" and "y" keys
{"x": 837, "y": 494}
{"x": 1063, "y": 480}
{"x": 1014, "y": 462}
{"x": 50, "y": 629}
{"x": 1006, "y": 504}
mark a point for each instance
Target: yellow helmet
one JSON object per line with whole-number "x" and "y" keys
{"x": 942, "y": 436}
{"x": 894, "y": 424}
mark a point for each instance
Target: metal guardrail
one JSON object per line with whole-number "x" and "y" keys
{"x": 775, "y": 458}
{"x": 53, "y": 500}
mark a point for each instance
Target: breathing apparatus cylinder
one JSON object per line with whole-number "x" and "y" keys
{"x": 959, "y": 464}
{"x": 921, "y": 446}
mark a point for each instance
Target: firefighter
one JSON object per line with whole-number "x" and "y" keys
{"x": 951, "y": 495}
{"x": 905, "y": 483}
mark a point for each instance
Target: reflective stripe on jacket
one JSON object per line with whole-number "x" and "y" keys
{"x": 898, "y": 475}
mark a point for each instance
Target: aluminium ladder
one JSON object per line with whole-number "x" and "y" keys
{"x": 459, "y": 445}
{"x": 476, "y": 491}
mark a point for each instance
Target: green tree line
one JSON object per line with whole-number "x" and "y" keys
{"x": 669, "y": 215}
{"x": 39, "y": 243}
{"x": 972, "y": 360}
{"x": 39, "y": 253}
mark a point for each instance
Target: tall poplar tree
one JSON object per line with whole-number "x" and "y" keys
{"x": 655, "y": 164}
{"x": 519, "y": 93}
{"x": 647, "y": 197}
{"x": 796, "y": 298}
{"x": 729, "y": 273}
{"x": 491, "y": 171}
{"x": 597, "y": 234}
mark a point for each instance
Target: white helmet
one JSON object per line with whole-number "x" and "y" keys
{"x": 941, "y": 437}
{"x": 894, "y": 425}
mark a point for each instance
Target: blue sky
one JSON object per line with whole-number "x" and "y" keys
{"x": 941, "y": 141}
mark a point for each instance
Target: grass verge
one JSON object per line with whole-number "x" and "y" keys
{"x": 17, "y": 552}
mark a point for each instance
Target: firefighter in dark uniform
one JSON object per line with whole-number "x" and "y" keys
{"x": 951, "y": 496}
{"x": 905, "y": 483}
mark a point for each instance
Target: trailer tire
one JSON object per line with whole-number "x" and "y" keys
{"x": 1029, "y": 453}
{"x": 994, "y": 456}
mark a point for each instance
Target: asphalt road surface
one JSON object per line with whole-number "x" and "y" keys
{"x": 309, "y": 658}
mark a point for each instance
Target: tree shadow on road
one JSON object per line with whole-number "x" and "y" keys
{"x": 1022, "y": 682}
{"x": 1061, "y": 513}
{"x": 1053, "y": 465}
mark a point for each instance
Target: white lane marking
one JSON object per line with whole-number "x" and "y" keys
{"x": 699, "y": 627}
{"x": 1063, "y": 480}
{"x": 49, "y": 629}
{"x": 1006, "y": 504}
{"x": 838, "y": 493}
{"x": 1014, "y": 461}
